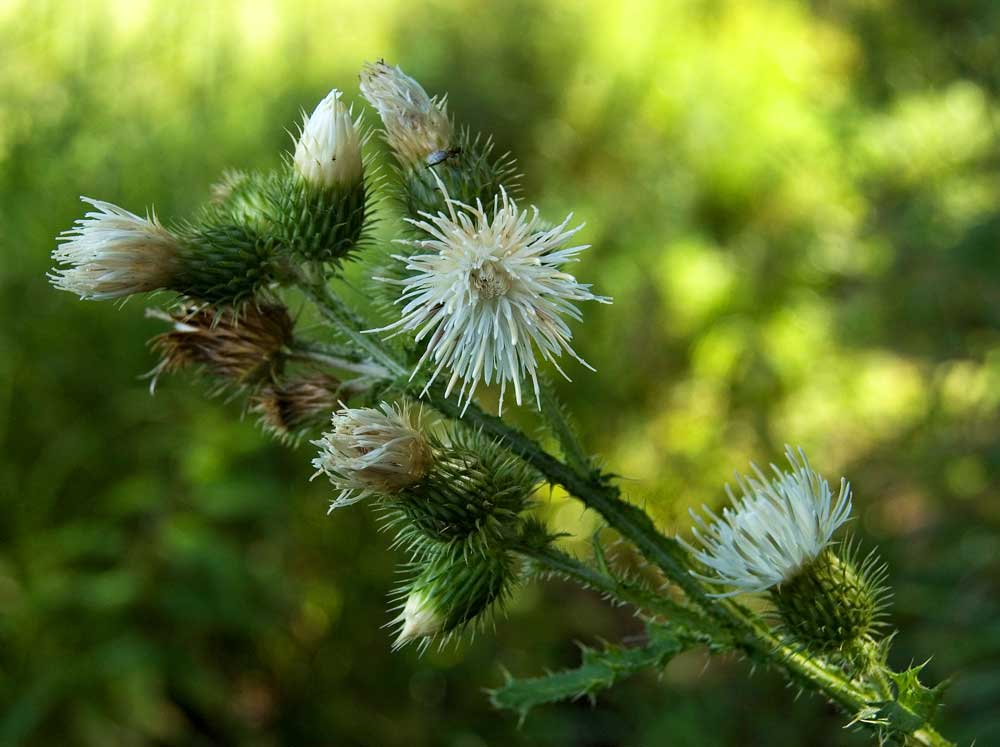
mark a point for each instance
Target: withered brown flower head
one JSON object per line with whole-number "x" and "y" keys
{"x": 292, "y": 406}
{"x": 240, "y": 347}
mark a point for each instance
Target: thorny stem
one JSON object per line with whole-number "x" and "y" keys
{"x": 746, "y": 631}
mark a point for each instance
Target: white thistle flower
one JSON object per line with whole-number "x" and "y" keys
{"x": 420, "y": 618}
{"x": 416, "y": 125}
{"x": 373, "y": 451}
{"x": 114, "y": 253}
{"x": 488, "y": 291}
{"x": 328, "y": 151}
{"x": 775, "y": 530}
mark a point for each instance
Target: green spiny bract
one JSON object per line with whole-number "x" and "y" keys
{"x": 316, "y": 223}
{"x": 474, "y": 493}
{"x": 469, "y": 171}
{"x": 835, "y": 604}
{"x": 223, "y": 262}
{"x": 453, "y": 589}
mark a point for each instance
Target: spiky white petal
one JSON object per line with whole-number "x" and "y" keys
{"x": 420, "y": 618}
{"x": 776, "y": 528}
{"x": 372, "y": 451}
{"x": 416, "y": 125}
{"x": 487, "y": 292}
{"x": 328, "y": 151}
{"x": 114, "y": 253}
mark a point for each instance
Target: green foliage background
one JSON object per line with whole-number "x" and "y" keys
{"x": 795, "y": 207}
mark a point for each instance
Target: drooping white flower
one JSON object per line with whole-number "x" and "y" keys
{"x": 774, "y": 530}
{"x": 114, "y": 253}
{"x": 328, "y": 151}
{"x": 416, "y": 125}
{"x": 371, "y": 451}
{"x": 420, "y": 618}
{"x": 487, "y": 292}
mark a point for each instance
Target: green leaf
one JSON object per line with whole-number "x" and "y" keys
{"x": 600, "y": 669}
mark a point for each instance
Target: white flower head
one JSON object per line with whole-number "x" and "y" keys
{"x": 328, "y": 151}
{"x": 420, "y": 618}
{"x": 777, "y": 528}
{"x": 114, "y": 253}
{"x": 372, "y": 451}
{"x": 487, "y": 292}
{"x": 416, "y": 125}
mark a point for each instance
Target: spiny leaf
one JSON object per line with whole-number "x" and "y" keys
{"x": 915, "y": 702}
{"x": 600, "y": 669}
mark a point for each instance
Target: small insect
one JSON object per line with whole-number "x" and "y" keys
{"x": 440, "y": 156}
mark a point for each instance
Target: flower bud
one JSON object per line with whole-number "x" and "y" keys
{"x": 474, "y": 492}
{"x": 243, "y": 348}
{"x": 834, "y": 603}
{"x": 420, "y": 618}
{"x": 370, "y": 452}
{"x": 115, "y": 253}
{"x": 328, "y": 151}
{"x": 290, "y": 407}
{"x": 319, "y": 206}
{"x": 416, "y": 125}
{"x": 452, "y": 590}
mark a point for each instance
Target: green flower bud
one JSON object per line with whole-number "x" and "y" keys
{"x": 452, "y": 590}
{"x": 223, "y": 262}
{"x": 474, "y": 492}
{"x": 834, "y": 603}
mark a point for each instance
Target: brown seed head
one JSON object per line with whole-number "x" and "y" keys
{"x": 243, "y": 347}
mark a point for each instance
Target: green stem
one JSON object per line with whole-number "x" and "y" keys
{"x": 334, "y": 311}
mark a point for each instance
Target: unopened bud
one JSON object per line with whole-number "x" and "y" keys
{"x": 452, "y": 590}
{"x": 474, "y": 492}
{"x": 328, "y": 151}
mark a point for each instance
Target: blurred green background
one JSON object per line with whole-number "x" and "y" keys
{"x": 795, "y": 207}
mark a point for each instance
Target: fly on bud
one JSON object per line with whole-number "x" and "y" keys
{"x": 416, "y": 125}
{"x": 242, "y": 348}
{"x": 373, "y": 451}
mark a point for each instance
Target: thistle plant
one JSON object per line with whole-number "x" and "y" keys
{"x": 480, "y": 296}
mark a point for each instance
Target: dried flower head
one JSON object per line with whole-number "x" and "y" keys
{"x": 242, "y": 347}
{"x": 775, "y": 530}
{"x": 293, "y": 405}
{"x": 114, "y": 253}
{"x": 487, "y": 292}
{"x": 416, "y": 125}
{"x": 328, "y": 151}
{"x": 371, "y": 451}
